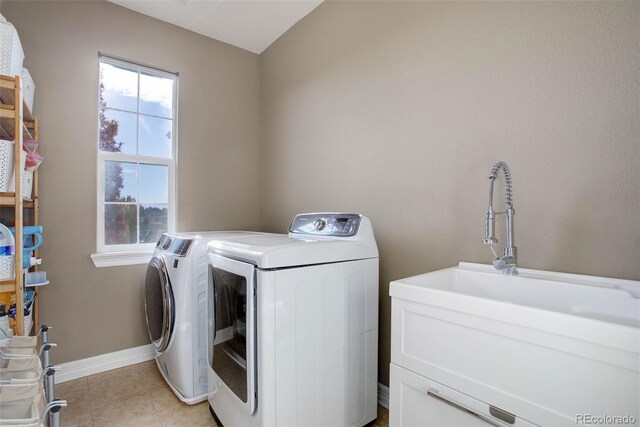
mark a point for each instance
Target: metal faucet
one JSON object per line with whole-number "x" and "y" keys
{"x": 507, "y": 262}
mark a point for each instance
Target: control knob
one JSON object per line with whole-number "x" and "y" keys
{"x": 320, "y": 224}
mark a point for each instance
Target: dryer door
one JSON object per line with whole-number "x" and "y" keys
{"x": 158, "y": 303}
{"x": 232, "y": 323}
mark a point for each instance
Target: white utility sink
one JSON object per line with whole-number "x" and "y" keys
{"x": 547, "y": 347}
{"x": 599, "y": 298}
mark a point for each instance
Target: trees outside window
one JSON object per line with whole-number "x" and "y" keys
{"x": 136, "y": 155}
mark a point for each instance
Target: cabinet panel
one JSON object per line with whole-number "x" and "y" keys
{"x": 547, "y": 378}
{"x": 419, "y": 401}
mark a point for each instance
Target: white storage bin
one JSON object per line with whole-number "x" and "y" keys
{"x": 6, "y": 164}
{"x": 7, "y": 267}
{"x": 27, "y": 177}
{"x": 28, "y": 89}
{"x": 28, "y": 322}
{"x": 27, "y": 184}
{"x": 23, "y": 161}
{"x": 11, "y": 53}
{"x": 7, "y": 183}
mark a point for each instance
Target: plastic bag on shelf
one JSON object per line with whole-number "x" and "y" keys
{"x": 33, "y": 161}
{"x": 30, "y": 146}
{"x": 33, "y": 158}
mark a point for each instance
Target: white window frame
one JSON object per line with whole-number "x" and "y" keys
{"x": 139, "y": 253}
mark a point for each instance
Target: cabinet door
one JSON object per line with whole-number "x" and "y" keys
{"x": 419, "y": 401}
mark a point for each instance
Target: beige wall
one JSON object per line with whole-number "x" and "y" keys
{"x": 97, "y": 311}
{"x": 398, "y": 110}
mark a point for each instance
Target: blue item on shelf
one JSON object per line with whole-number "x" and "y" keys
{"x": 29, "y": 232}
{"x": 29, "y": 296}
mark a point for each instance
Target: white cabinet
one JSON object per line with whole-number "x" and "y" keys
{"x": 419, "y": 401}
{"x": 449, "y": 362}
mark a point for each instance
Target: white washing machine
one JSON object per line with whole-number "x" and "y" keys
{"x": 293, "y": 325}
{"x": 176, "y": 310}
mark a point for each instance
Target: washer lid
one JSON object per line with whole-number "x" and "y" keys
{"x": 297, "y": 248}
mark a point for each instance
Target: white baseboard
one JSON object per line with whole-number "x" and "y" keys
{"x": 104, "y": 362}
{"x": 383, "y": 395}
{"x": 119, "y": 359}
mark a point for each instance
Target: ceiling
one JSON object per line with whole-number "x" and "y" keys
{"x": 250, "y": 24}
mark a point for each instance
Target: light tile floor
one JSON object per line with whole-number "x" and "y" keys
{"x": 136, "y": 396}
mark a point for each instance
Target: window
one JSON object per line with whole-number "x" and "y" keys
{"x": 136, "y": 156}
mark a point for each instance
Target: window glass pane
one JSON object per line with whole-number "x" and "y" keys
{"x": 119, "y": 88}
{"x": 153, "y": 222}
{"x": 154, "y": 184}
{"x": 136, "y": 114}
{"x": 120, "y": 181}
{"x": 156, "y": 95}
{"x": 155, "y": 137}
{"x": 120, "y": 224}
{"x": 118, "y": 131}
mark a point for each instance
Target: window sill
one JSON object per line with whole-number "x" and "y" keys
{"x": 116, "y": 259}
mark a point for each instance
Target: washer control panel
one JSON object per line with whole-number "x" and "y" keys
{"x": 174, "y": 245}
{"x": 326, "y": 224}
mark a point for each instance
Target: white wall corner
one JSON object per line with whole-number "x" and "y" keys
{"x": 104, "y": 362}
{"x": 383, "y": 396}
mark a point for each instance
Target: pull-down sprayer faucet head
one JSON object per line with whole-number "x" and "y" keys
{"x": 490, "y": 228}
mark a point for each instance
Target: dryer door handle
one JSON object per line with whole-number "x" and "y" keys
{"x": 215, "y": 310}
{"x": 212, "y": 298}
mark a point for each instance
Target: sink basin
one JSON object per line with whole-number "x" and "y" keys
{"x": 548, "y": 347}
{"x": 598, "y": 298}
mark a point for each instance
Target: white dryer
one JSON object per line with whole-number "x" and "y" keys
{"x": 176, "y": 310}
{"x": 293, "y": 327}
